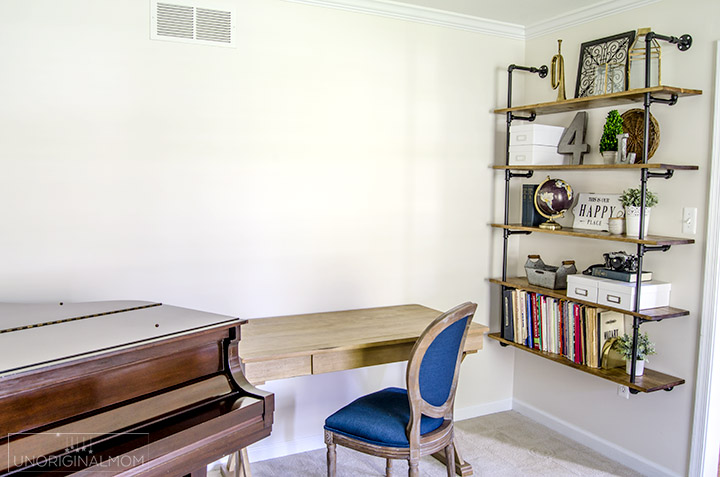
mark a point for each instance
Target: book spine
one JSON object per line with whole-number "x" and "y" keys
{"x": 620, "y": 275}
{"x": 535, "y": 324}
{"x": 530, "y": 216}
{"x": 508, "y": 322}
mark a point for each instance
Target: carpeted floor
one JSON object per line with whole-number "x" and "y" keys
{"x": 505, "y": 444}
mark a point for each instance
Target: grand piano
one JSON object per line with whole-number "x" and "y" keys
{"x": 122, "y": 388}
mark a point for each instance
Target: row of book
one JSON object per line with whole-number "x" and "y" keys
{"x": 573, "y": 330}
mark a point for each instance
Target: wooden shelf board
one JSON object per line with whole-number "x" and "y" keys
{"x": 571, "y": 167}
{"x": 600, "y": 235}
{"x": 623, "y": 97}
{"x": 649, "y": 314}
{"x": 649, "y": 382}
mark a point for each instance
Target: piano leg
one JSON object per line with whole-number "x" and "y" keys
{"x": 198, "y": 473}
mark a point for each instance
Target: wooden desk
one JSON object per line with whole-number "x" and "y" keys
{"x": 300, "y": 345}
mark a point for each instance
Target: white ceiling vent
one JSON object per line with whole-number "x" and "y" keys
{"x": 201, "y": 22}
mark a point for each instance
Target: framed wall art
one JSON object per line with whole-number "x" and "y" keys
{"x": 603, "y": 67}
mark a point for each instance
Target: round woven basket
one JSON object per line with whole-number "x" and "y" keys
{"x": 634, "y": 125}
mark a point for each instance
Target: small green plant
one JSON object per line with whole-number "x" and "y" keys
{"x": 631, "y": 197}
{"x": 645, "y": 347}
{"x": 613, "y": 127}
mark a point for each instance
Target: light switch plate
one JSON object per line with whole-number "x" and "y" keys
{"x": 689, "y": 225}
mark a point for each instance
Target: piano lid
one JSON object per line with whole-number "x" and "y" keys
{"x": 33, "y": 335}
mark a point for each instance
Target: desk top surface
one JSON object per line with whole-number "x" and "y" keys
{"x": 298, "y": 335}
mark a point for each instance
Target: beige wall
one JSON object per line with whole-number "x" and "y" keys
{"x": 333, "y": 160}
{"x": 655, "y": 427}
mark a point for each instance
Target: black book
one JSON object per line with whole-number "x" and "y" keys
{"x": 620, "y": 275}
{"x": 508, "y": 328}
{"x": 530, "y": 216}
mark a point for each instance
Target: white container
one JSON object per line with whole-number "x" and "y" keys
{"x": 535, "y": 134}
{"x": 582, "y": 287}
{"x": 622, "y": 294}
{"x": 535, "y": 155}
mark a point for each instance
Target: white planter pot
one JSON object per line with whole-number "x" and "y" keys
{"x": 632, "y": 221}
{"x": 609, "y": 157}
{"x": 639, "y": 367}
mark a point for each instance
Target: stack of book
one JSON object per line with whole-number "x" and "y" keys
{"x": 575, "y": 331}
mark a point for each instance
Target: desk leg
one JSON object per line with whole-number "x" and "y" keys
{"x": 238, "y": 465}
{"x": 462, "y": 468}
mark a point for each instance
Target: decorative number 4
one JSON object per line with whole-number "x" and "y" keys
{"x": 573, "y": 139}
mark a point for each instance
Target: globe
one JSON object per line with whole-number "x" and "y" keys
{"x": 552, "y": 198}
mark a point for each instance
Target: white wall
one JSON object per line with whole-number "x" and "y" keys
{"x": 332, "y": 161}
{"x": 655, "y": 428}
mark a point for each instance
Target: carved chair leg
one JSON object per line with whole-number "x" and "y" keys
{"x": 450, "y": 459}
{"x": 388, "y": 467}
{"x": 331, "y": 456}
{"x": 413, "y": 468}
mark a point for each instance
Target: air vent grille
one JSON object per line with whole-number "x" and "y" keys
{"x": 192, "y": 23}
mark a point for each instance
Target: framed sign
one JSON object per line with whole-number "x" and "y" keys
{"x": 592, "y": 211}
{"x": 603, "y": 67}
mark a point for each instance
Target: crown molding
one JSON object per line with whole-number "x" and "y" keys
{"x": 414, "y": 13}
{"x": 583, "y": 15}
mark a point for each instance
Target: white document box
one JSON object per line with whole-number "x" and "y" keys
{"x": 622, "y": 294}
{"x": 617, "y": 294}
{"x": 535, "y": 134}
{"x": 535, "y": 155}
{"x": 582, "y": 287}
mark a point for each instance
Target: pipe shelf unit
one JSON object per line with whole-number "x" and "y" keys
{"x": 668, "y": 95}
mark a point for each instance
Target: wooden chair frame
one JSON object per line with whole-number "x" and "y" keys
{"x": 442, "y": 438}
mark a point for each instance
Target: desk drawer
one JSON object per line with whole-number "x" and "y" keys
{"x": 257, "y": 372}
{"x": 326, "y": 362}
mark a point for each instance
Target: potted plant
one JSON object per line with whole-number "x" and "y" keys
{"x": 644, "y": 348}
{"x": 609, "y": 141}
{"x": 631, "y": 200}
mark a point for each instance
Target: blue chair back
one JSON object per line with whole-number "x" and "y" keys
{"x": 433, "y": 369}
{"x": 437, "y": 369}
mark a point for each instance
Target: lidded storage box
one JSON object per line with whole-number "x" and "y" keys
{"x": 535, "y": 144}
{"x": 582, "y": 287}
{"x": 618, "y": 294}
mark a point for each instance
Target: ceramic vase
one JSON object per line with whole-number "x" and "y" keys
{"x": 639, "y": 367}
{"x": 632, "y": 221}
{"x": 609, "y": 157}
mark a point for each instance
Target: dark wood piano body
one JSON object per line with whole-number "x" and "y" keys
{"x": 165, "y": 406}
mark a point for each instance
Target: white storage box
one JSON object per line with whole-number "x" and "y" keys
{"x": 617, "y": 294}
{"x": 622, "y": 294}
{"x": 535, "y": 155}
{"x": 535, "y": 134}
{"x": 582, "y": 287}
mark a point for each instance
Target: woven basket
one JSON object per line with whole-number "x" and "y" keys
{"x": 634, "y": 125}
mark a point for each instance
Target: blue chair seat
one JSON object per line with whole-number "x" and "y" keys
{"x": 379, "y": 418}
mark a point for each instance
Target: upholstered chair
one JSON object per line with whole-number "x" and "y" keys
{"x": 409, "y": 423}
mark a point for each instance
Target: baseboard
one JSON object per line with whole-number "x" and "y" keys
{"x": 483, "y": 409}
{"x": 262, "y": 451}
{"x": 604, "y": 447}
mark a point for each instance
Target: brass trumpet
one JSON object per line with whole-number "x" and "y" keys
{"x": 557, "y": 74}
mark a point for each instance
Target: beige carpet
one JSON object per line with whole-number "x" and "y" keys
{"x": 505, "y": 444}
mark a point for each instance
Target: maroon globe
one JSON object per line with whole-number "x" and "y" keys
{"x": 553, "y": 197}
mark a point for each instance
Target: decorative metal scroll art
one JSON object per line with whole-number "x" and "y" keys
{"x": 603, "y": 67}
